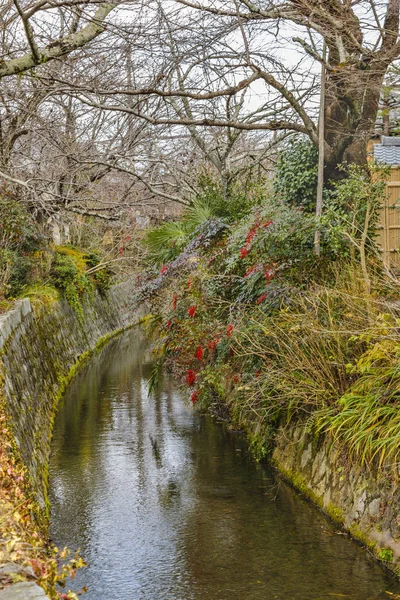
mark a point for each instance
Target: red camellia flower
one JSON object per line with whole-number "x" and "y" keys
{"x": 244, "y": 252}
{"x": 199, "y": 353}
{"x": 229, "y": 330}
{"x": 192, "y": 310}
{"x": 191, "y": 377}
{"x": 164, "y": 269}
{"x": 194, "y": 397}
{"x": 261, "y": 298}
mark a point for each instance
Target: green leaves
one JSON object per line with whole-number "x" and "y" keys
{"x": 297, "y": 173}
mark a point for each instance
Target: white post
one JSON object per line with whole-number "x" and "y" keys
{"x": 321, "y": 155}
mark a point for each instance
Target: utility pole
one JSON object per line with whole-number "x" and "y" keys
{"x": 321, "y": 154}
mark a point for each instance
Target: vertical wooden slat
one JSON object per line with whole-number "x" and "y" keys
{"x": 389, "y": 221}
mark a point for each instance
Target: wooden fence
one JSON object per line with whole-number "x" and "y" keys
{"x": 389, "y": 222}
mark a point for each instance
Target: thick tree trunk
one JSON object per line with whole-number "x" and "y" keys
{"x": 352, "y": 102}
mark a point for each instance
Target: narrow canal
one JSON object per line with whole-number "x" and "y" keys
{"x": 165, "y": 504}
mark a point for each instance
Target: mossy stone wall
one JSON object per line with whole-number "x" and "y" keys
{"x": 366, "y": 501}
{"x": 40, "y": 350}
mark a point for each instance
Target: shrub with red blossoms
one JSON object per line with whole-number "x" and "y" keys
{"x": 261, "y": 298}
{"x": 192, "y": 310}
{"x": 191, "y": 377}
{"x": 244, "y": 252}
{"x": 199, "y": 353}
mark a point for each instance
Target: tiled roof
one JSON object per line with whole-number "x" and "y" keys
{"x": 390, "y": 140}
{"x": 389, "y": 155}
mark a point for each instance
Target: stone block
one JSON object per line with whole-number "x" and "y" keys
{"x": 14, "y": 318}
{"x": 26, "y": 590}
{"x": 374, "y": 507}
{"x": 5, "y": 326}
{"x": 26, "y": 307}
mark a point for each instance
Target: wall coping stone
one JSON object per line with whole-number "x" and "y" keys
{"x": 11, "y": 319}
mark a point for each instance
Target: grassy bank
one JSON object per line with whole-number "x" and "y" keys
{"x": 254, "y": 323}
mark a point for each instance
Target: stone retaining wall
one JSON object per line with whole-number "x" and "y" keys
{"x": 365, "y": 501}
{"x": 39, "y": 350}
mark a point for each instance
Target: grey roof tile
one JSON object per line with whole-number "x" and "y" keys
{"x": 389, "y": 155}
{"x": 390, "y": 140}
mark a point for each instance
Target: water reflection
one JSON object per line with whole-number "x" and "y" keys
{"x": 166, "y": 505}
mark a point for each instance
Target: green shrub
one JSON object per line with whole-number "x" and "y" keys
{"x": 19, "y": 238}
{"x": 297, "y": 174}
{"x": 68, "y": 275}
{"x": 102, "y": 275}
{"x": 242, "y": 195}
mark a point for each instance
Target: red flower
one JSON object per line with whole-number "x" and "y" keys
{"x": 268, "y": 223}
{"x": 244, "y": 252}
{"x": 164, "y": 269}
{"x": 251, "y": 234}
{"x": 174, "y": 301}
{"x": 194, "y": 397}
{"x": 169, "y": 324}
{"x": 192, "y": 310}
{"x": 250, "y": 271}
{"x": 261, "y": 298}
{"x": 191, "y": 377}
{"x": 269, "y": 274}
{"x": 212, "y": 344}
{"x": 229, "y": 330}
{"x": 199, "y": 353}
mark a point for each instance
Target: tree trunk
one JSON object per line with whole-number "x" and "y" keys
{"x": 352, "y": 102}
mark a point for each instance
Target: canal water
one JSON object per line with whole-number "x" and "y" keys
{"x": 166, "y": 504}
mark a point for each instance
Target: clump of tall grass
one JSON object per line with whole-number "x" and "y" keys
{"x": 367, "y": 416}
{"x": 331, "y": 356}
{"x": 164, "y": 243}
{"x": 41, "y": 294}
